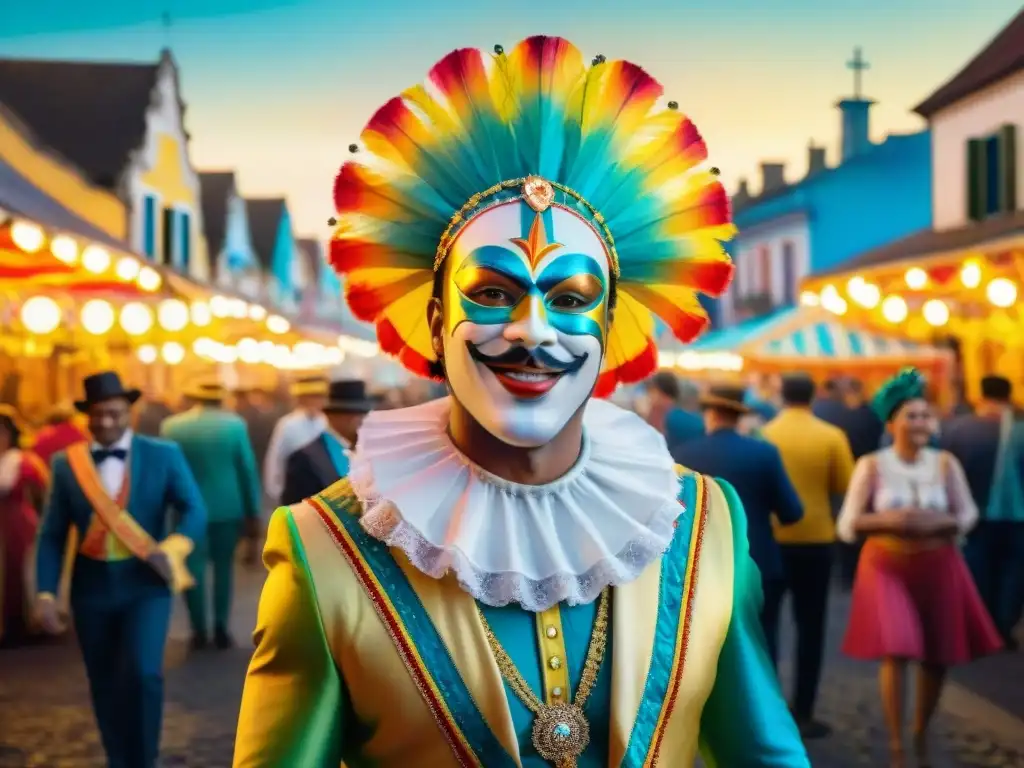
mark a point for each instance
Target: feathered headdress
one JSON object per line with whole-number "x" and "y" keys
{"x": 591, "y": 136}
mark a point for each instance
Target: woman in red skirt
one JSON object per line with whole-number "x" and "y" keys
{"x": 23, "y": 479}
{"x": 913, "y": 597}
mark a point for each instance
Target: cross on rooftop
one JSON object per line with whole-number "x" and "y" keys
{"x": 858, "y": 64}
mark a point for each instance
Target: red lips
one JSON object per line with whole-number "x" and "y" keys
{"x": 526, "y": 389}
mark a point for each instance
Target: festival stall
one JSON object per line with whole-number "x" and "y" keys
{"x": 73, "y": 299}
{"x": 963, "y": 285}
{"x": 806, "y": 340}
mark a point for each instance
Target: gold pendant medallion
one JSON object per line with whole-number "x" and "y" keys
{"x": 561, "y": 734}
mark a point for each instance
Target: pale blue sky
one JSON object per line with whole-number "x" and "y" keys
{"x": 278, "y": 89}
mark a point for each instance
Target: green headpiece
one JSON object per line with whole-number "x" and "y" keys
{"x": 906, "y": 385}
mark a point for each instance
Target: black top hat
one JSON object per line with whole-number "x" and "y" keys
{"x": 104, "y": 386}
{"x": 349, "y": 396}
{"x": 997, "y": 388}
{"x": 726, "y": 398}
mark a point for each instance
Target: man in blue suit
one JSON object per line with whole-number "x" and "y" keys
{"x": 754, "y": 468}
{"x": 324, "y": 461}
{"x": 115, "y": 492}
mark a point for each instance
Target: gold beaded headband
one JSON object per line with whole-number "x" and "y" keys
{"x": 539, "y": 194}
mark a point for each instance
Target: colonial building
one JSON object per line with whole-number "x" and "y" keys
{"x": 960, "y": 276}
{"x": 122, "y": 126}
{"x": 877, "y": 193}
{"x": 233, "y": 260}
{"x": 273, "y": 240}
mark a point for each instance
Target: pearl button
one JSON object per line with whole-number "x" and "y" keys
{"x": 556, "y": 692}
{"x": 552, "y": 632}
{"x": 554, "y": 662}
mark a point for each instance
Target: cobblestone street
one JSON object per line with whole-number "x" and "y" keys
{"x": 45, "y": 721}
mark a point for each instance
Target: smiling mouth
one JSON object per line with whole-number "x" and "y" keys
{"x": 526, "y": 383}
{"x": 522, "y": 374}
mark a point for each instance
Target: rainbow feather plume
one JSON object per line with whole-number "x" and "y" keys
{"x": 539, "y": 109}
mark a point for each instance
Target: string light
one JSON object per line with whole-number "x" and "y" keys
{"x": 935, "y": 312}
{"x": 916, "y": 278}
{"x": 1001, "y": 292}
{"x": 894, "y": 309}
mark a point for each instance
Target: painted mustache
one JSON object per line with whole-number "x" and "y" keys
{"x": 520, "y": 357}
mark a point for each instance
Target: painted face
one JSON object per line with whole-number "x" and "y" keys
{"x": 525, "y": 319}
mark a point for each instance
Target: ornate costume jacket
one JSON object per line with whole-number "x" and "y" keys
{"x": 361, "y": 658}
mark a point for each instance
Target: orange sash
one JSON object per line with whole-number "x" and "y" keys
{"x": 119, "y": 522}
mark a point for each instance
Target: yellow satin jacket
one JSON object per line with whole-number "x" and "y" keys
{"x": 362, "y": 658}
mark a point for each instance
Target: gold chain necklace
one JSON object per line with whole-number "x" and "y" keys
{"x": 561, "y": 732}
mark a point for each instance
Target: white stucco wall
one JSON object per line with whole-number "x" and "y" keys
{"x": 773, "y": 235}
{"x": 979, "y": 115}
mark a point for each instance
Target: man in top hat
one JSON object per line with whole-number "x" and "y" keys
{"x": 324, "y": 461}
{"x": 303, "y": 425}
{"x": 990, "y": 446}
{"x": 115, "y": 491}
{"x": 216, "y": 445}
{"x": 754, "y": 468}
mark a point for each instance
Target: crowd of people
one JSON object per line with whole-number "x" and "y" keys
{"x": 821, "y": 471}
{"x": 248, "y": 449}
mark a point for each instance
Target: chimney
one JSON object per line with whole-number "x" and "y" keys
{"x": 815, "y": 159}
{"x": 856, "y": 128}
{"x": 773, "y": 177}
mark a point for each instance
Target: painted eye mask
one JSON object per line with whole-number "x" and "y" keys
{"x": 496, "y": 287}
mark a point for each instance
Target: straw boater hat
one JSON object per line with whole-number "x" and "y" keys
{"x": 310, "y": 385}
{"x": 206, "y": 392}
{"x": 726, "y": 398}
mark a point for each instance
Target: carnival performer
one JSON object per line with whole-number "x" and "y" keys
{"x": 116, "y": 492}
{"x": 516, "y": 575}
{"x": 913, "y": 597}
{"x": 23, "y": 479}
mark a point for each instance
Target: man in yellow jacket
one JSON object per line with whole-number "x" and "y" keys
{"x": 817, "y": 458}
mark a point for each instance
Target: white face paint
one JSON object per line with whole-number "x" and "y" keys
{"x": 525, "y": 320}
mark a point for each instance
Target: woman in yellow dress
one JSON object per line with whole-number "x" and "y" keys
{"x": 517, "y": 575}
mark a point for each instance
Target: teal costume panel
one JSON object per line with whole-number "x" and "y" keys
{"x": 746, "y": 721}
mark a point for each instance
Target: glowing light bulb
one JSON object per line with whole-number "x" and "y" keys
{"x": 172, "y": 315}
{"x": 1001, "y": 292}
{"x": 149, "y": 279}
{"x": 127, "y": 268}
{"x": 278, "y": 324}
{"x": 935, "y": 312}
{"x": 27, "y": 236}
{"x": 136, "y": 319}
{"x": 64, "y": 249}
{"x": 172, "y": 352}
{"x": 809, "y": 299}
{"x": 970, "y": 274}
{"x": 96, "y": 259}
{"x": 916, "y": 278}
{"x": 40, "y": 315}
{"x": 147, "y": 354}
{"x": 894, "y": 309}
{"x": 97, "y": 316}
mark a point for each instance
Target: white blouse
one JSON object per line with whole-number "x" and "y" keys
{"x": 935, "y": 481}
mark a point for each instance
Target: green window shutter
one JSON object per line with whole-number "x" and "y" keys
{"x": 1008, "y": 168}
{"x": 976, "y": 181}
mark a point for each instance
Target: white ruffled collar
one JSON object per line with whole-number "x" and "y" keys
{"x": 599, "y": 525}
